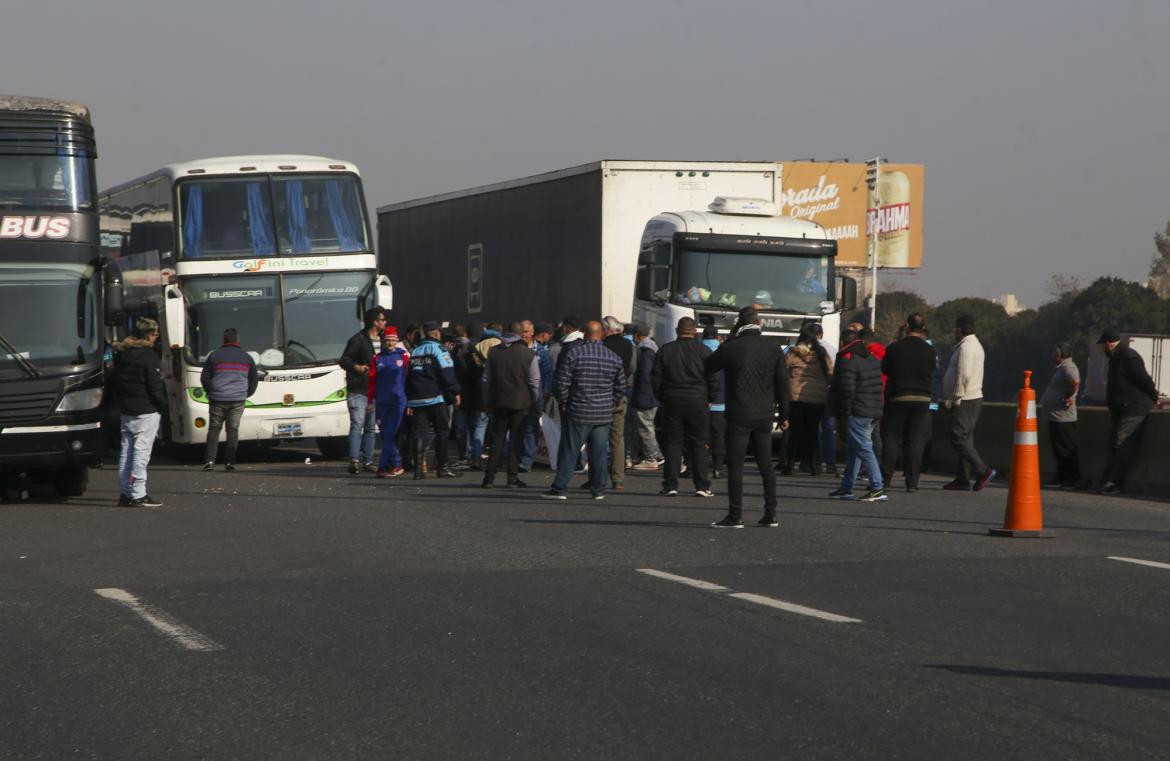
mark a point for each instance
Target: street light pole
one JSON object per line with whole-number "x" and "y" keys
{"x": 873, "y": 170}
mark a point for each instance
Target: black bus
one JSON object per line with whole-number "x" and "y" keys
{"x": 52, "y": 296}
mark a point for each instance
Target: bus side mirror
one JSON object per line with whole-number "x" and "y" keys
{"x": 385, "y": 292}
{"x": 115, "y": 306}
{"x": 174, "y": 313}
{"x": 848, "y": 291}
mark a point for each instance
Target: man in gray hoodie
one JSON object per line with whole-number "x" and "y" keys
{"x": 644, "y": 402}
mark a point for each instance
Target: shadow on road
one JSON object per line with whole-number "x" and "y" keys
{"x": 582, "y": 521}
{"x": 1129, "y": 681}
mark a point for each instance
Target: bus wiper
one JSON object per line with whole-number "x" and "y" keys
{"x": 27, "y": 366}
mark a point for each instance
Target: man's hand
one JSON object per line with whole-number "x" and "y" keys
{"x": 1069, "y": 401}
{"x": 409, "y": 411}
{"x": 362, "y": 368}
{"x": 458, "y": 400}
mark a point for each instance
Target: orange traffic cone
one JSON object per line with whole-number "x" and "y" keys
{"x": 1024, "y": 516}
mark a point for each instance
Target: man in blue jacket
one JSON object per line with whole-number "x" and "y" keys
{"x": 229, "y": 377}
{"x": 430, "y": 384}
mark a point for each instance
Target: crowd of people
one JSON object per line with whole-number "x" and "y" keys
{"x": 601, "y": 397}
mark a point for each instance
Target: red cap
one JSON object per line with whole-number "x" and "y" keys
{"x": 392, "y": 331}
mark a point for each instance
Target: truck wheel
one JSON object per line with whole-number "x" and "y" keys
{"x": 71, "y": 482}
{"x": 333, "y": 447}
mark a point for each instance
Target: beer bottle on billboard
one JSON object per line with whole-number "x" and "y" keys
{"x": 889, "y": 218}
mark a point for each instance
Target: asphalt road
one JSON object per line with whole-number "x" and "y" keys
{"x": 291, "y": 611}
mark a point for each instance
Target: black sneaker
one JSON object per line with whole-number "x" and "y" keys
{"x": 768, "y": 521}
{"x": 841, "y": 494}
{"x": 728, "y": 522}
{"x": 874, "y": 495}
{"x": 355, "y": 467}
{"x": 229, "y": 467}
{"x": 987, "y": 477}
{"x": 147, "y": 501}
{"x": 598, "y": 496}
{"x": 447, "y": 473}
{"x": 550, "y": 494}
{"x": 516, "y": 483}
{"x": 668, "y": 493}
{"x": 209, "y": 466}
{"x": 704, "y": 493}
{"x": 370, "y": 467}
{"x": 487, "y": 483}
{"x": 124, "y": 501}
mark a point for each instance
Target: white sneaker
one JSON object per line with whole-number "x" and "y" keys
{"x": 704, "y": 493}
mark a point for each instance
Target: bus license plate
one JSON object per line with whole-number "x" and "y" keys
{"x": 287, "y": 430}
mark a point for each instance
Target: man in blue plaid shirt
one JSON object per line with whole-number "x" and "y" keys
{"x": 588, "y": 385}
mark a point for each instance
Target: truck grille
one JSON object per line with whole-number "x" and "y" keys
{"x": 26, "y": 405}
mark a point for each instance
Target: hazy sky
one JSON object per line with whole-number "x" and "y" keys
{"x": 1044, "y": 126}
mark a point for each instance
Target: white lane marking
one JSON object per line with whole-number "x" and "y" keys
{"x": 696, "y": 583}
{"x": 1138, "y": 561}
{"x": 182, "y": 634}
{"x": 794, "y": 608}
{"x": 770, "y": 602}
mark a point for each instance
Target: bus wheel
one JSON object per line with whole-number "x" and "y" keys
{"x": 71, "y": 482}
{"x": 333, "y": 447}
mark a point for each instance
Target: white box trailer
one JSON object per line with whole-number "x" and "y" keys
{"x": 1154, "y": 351}
{"x": 561, "y": 243}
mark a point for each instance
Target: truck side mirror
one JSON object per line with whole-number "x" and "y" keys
{"x": 645, "y": 257}
{"x": 848, "y": 291}
{"x": 385, "y": 292}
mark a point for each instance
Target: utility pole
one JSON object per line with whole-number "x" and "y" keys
{"x": 873, "y": 169}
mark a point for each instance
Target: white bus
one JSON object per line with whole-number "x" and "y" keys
{"x": 278, "y": 247}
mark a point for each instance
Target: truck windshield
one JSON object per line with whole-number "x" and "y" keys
{"x": 56, "y": 183}
{"x": 309, "y": 326}
{"x": 266, "y": 216}
{"x": 48, "y": 317}
{"x": 794, "y": 284}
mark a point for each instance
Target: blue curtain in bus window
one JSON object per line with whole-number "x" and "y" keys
{"x": 346, "y": 221}
{"x": 193, "y": 222}
{"x": 298, "y": 225}
{"x": 259, "y": 220}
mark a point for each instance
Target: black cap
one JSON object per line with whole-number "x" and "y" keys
{"x": 427, "y": 327}
{"x": 542, "y": 327}
{"x": 1109, "y": 336}
{"x": 710, "y": 331}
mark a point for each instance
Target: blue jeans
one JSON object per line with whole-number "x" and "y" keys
{"x": 138, "y": 432}
{"x": 858, "y": 450}
{"x": 828, "y": 444}
{"x": 573, "y": 435}
{"x": 476, "y": 433}
{"x": 361, "y": 427}
{"x": 531, "y": 430}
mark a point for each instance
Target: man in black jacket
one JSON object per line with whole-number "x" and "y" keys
{"x": 137, "y": 382}
{"x": 1130, "y": 393}
{"x": 856, "y": 396}
{"x": 909, "y": 367}
{"x": 359, "y": 353}
{"x": 511, "y": 387}
{"x": 684, "y": 386}
{"x": 757, "y": 384}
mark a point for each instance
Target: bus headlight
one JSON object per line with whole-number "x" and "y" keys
{"x": 75, "y": 401}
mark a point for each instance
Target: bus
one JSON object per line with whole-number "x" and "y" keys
{"x": 276, "y": 246}
{"x": 52, "y": 308}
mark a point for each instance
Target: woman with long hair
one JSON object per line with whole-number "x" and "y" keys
{"x": 810, "y": 369}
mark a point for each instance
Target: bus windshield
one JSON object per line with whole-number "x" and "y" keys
{"x": 795, "y": 284}
{"x": 269, "y": 216}
{"x": 65, "y": 329}
{"x": 52, "y": 183}
{"x": 295, "y": 320}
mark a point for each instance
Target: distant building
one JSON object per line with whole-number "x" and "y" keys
{"x": 1010, "y": 304}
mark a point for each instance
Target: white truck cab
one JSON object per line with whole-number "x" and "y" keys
{"x": 739, "y": 252}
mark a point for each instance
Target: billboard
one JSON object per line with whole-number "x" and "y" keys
{"x": 835, "y": 196}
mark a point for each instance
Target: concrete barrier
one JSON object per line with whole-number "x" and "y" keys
{"x": 1148, "y": 476}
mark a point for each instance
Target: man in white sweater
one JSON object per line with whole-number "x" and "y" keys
{"x": 963, "y": 394}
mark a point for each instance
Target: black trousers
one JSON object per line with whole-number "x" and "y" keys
{"x": 1124, "y": 436}
{"x": 1064, "y": 448}
{"x": 758, "y": 435}
{"x": 905, "y": 434}
{"x": 803, "y": 434}
{"x": 428, "y": 423}
{"x": 506, "y": 422}
{"x": 686, "y": 424}
{"x": 718, "y": 439}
